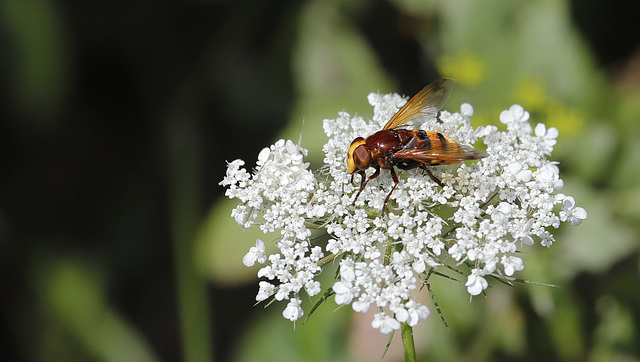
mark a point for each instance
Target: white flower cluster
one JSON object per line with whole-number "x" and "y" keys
{"x": 487, "y": 210}
{"x": 279, "y": 196}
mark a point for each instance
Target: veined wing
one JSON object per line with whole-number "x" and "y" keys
{"x": 451, "y": 154}
{"x": 423, "y": 106}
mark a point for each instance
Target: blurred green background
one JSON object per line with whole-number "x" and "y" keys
{"x": 117, "y": 117}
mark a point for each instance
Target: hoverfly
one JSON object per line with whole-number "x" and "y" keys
{"x": 395, "y": 146}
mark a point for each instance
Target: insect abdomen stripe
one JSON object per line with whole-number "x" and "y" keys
{"x": 425, "y": 138}
{"x": 443, "y": 142}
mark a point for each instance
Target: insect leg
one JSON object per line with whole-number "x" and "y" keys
{"x": 362, "y": 177}
{"x": 395, "y": 183}
{"x": 364, "y": 183}
{"x": 435, "y": 179}
{"x": 424, "y": 167}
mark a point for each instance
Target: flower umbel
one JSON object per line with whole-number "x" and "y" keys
{"x": 487, "y": 212}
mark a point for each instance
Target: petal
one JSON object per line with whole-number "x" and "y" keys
{"x": 260, "y": 245}
{"x": 508, "y": 269}
{"x": 347, "y": 272}
{"x": 312, "y": 288}
{"x": 526, "y": 240}
{"x": 466, "y": 109}
{"x": 505, "y": 208}
{"x": 480, "y": 132}
{"x": 506, "y": 117}
{"x": 517, "y": 111}
{"x": 263, "y": 156}
{"x": 401, "y": 314}
{"x": 384, "y": 323}
{"x": 361, "y": 306}
{"x": 419, "y": 266}
{"x": 514, "y": 167}
{"x": 293, "y": 311}
{"x": 569, "y": 202}
{"x": 490, "y": 267}
{"x": 579, "y": 213}
{"x": 344, "y": 298}
{"x": 524, "y": 175}
{"x": 340, "y": 287}
{"x": 249, "y": 259}
{"x": 476, "y": 284}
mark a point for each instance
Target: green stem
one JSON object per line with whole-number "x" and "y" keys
{"x": 407, "y": 343}
{"x": 407, "y": 331}
{"x": 326, "y": 259}
{"x": 184, "y": 197}
{"x": 387, "y": 253}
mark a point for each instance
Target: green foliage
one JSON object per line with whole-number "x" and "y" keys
{"x": 321, "y": 337}
{"x": 73, "y": 296}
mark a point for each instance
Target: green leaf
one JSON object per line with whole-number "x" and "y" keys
{"x": 273, "y": 338}
{"x": 76, "y": 301}
{"x": 221, "y": 243}
{"x": 599, "y": 242}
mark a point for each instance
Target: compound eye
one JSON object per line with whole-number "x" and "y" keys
{"x": 352, "y": 156}
{"x": 362, "y": 157}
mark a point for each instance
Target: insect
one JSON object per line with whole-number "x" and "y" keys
{"x": 396, "y": 146}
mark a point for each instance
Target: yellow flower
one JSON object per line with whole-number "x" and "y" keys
{"x": 532, "y": 93}
{"x": 467, "y": 68}
{"x": 568, "y": 120}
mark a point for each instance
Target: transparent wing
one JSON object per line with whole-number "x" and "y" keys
{"x": 453, "y": 153}
{"x": 423, "y": 106}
